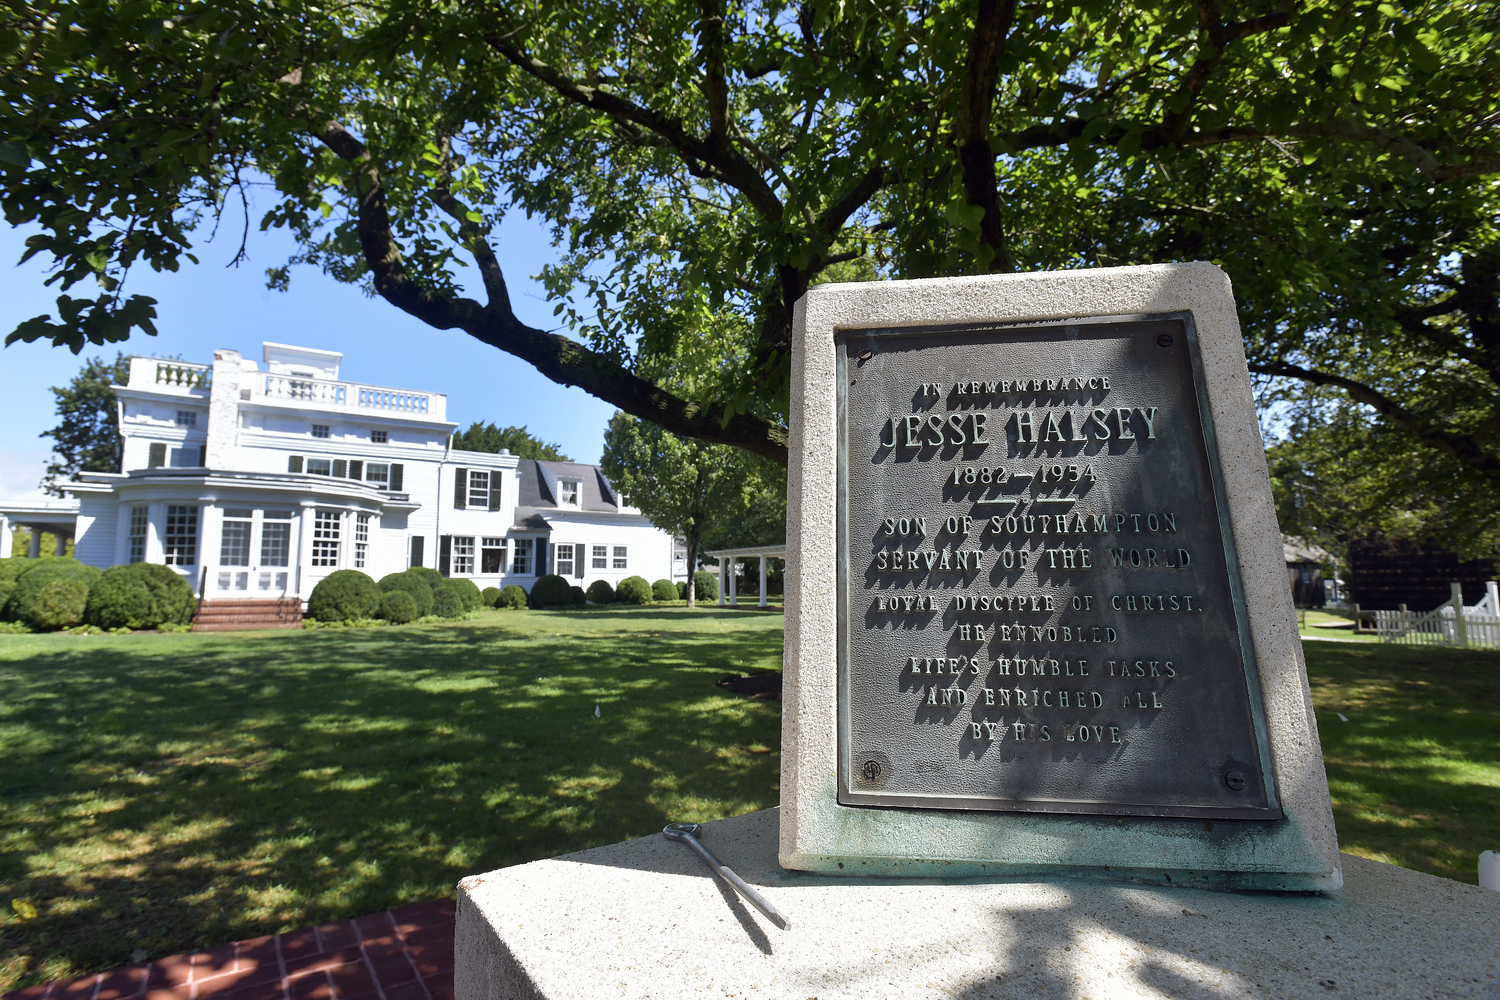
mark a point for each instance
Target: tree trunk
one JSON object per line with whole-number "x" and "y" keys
{"x": 692, "y": 568}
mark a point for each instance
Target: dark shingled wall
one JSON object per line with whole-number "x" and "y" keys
{"x": 1385, "y": 573}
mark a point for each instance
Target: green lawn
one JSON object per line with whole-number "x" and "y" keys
{"x": 165, "y": 792}
{"x": 1415, "y": 772}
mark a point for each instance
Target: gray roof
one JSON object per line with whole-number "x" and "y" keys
{"x": 597, "y": 492}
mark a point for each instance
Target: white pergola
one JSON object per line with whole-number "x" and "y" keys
{"x": 728, "y": 558}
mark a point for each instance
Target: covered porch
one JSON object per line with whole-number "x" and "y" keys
{"x": 728, "y": 560}
{"x": 58, "y": 518}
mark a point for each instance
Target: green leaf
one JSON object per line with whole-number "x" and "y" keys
{"x": 15, "y": 154}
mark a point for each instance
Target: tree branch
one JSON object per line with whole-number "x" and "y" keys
{"x": 564, "y": 361}
{"x": 992, "y": 23}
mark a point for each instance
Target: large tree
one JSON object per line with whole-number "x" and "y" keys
{"x": 87, "y": 436}
{"x": 685, "y": 486}
{"x": 516, "y": 440}
{"x": 705, "y": 163}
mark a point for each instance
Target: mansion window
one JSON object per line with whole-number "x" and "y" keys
{"x": 492, "y": 555}
{"x": 138, "y": 522}
{"x": 620, "y": 557}
{"x": 234, "y": 538}
{"x": 319, "y": 467}
{"x": 564, "y": 559}
{"x": 187, "y": 418}
{"x": 476, "y": 488}
{"x": 325, "y": 546}
{"x": 479, "y": 489}
{"x": 463, "y": 555}
{"x": 275, "y": 537}
{"x": 601, "y": 557}
{"x": 180, "y": 541}
{"x": 320, "y": 430}
{"x": 379, "y": 437}
{"x": 522, "y": 562}
{"x": 378, "y": 474}
{"x": 361, "y": 539}
{"x": 570, "y": 491}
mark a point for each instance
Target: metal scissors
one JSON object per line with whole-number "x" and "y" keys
{"x": 687, "y": 833}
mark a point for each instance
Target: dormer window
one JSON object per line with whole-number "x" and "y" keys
{"x": 570, "y": 489}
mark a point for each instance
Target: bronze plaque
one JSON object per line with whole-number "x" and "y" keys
{"x": 1040, "y": 601}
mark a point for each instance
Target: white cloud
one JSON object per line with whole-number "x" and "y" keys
{"x": 20, "y": 472}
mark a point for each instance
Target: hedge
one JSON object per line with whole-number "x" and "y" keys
{"x": 633, "y": 590}
{"x": 414, "y": 583}
{"x": 469, "y": 591}
{"x": 705, "y": 586}
{"x": 551, "y": 591}
{"x": 489, "y": 597}
{"x": 600, "y": 592}
{"x": 53, "y": 593}
{"x": 664, "y": 590}
{"x": 139, "y": 595}
{"x": 398, "y": 607}
{"x": 448, "y": 600}
{"x": 342, "y": 595}
{"x": 512, "y": 597}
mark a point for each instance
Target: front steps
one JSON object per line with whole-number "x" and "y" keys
{"x": 245, "y": 615}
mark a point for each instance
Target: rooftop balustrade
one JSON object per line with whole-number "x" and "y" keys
{"x": 351, "y": 396}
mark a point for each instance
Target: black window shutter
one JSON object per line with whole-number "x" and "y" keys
{"x": 495, "y": 482}
{"x": 156, "y": 455}
{"x": 395, "y": 483}
{"x": 416, "y": 549}
{"x": 445, "y": 553}
{"x": 294, "y": 463}
{"x": 541, "y": 556}
{"x": 356, "y": 469}
{"x": 578, "y": 553}
{"x": 460, "y": 488}
{"x": 203, "y": 454}
{"x": 340, "y": 469}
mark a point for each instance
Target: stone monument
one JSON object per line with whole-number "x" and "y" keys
{"x": 1037, "y": 613}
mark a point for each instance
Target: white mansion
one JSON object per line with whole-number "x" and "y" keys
{"x": 256, "y": 484}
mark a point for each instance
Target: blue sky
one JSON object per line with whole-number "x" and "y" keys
{"x": 205, "y": 307}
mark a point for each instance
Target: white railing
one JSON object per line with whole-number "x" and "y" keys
{"x": 183, "y": 374}
{"x": 1449, "y": 624}
{"x": 306, "y": 390}
{"x": 392, "y": 399}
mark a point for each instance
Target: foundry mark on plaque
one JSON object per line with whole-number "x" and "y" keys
{"x": 1040, "y": 602}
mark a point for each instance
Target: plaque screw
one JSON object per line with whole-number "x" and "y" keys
{"x": 1165, "y": 340}
{"x": 1235, "y": 780}
{"x": 871, "y": 770}
{"x": 865, "y": 355}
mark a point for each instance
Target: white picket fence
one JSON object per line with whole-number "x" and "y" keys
{"x": 1449, "y": 624}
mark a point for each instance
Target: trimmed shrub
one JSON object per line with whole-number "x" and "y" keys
{"x": 633, "y": 590}
{"x": 448, "y": 600}
{"x": 664, "y": 590}
{"x": 551, "y": 591}
{"x": 139, "y": 595}
{"x": 579, "y": 597}
{"x": 52, "y": 593}
{"x": 342, "y": 595}
{"x": 12, "y": 567}
{"x": 430, "y": 576}
{"x": 600, "y": 592}
{"x": 705, "y": 586}
{"x": 490, "y": 597}
{"x": 682, "y": 590}
{"x": 512, "y": 597}
{"x": 415, "y": 584}
{"x": 469, "y": 591}
{"x": 398, "y": 607}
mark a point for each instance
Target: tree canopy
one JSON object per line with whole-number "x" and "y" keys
{"x": 87, "y": 435}
{"x": 702, "y": 165}
{"x": 489, "y": 438}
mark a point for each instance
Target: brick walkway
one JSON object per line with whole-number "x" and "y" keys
{"x": 404, "y": 954}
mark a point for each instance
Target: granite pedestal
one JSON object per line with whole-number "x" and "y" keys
{"x": 646, "y": 919}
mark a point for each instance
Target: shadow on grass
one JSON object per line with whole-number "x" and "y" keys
{"x": 1415, "y": 770}
{"x": 172, "y": 792}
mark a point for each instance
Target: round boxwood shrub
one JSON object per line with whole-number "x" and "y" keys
{"x": 705, "y": 586}
{"x": 577, "y": 594}
{"x": 342, "y": 595}
{"x": 664, "y": 590}
{"x": 682, "y": 590}
{"x": 511, "y": 597}
{"x": 448, "y": 600}
{"x": 398, "y": 607}
{"x": 432, "y": 577}
{"x": 600, "y": 592}
{"x": 490, "y": 597}
{"x": 52, "y": 593}
{"x": 12, "y": 567}
{"x": 139, "y": 595}
{"x": 551, "y": 591}
{"x": 633, "y": 590}
{"x": 415, "y": 584}
{"x": 469, "y": 591}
